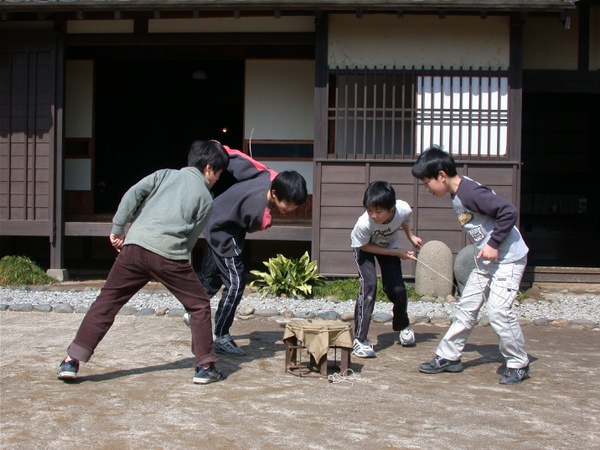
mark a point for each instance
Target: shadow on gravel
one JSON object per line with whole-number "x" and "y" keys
{"x": 489, "y": 355}
{"x": 387, "y": 340}
{"x": 263, "y": 345}
{"x": 176, "y": 365}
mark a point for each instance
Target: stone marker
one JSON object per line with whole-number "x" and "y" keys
{"x": 433, "y": 275}
{"x": 464, "y": 263}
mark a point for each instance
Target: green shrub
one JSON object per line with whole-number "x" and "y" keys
{"x": 347, "y": 289}
{"x": 289, "y": 277}
{"x": 521, "y": 297}
{"x": 411, "y": 293}
{"x": 20, "y": 270}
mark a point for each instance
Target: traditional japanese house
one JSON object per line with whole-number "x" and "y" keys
{"x": 95, "y": 94}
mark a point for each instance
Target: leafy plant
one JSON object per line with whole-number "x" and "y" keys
{"x": 521, "y": 297}
{"x": 290, "y": 277}
{"x": 347, "y": 289}
{"x": 20, "y": 270}
{"x": 412, "y": 293}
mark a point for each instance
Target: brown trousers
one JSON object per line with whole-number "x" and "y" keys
{"x": 132, "y": 270}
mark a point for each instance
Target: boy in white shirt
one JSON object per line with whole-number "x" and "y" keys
{"x": 375, "y": 236}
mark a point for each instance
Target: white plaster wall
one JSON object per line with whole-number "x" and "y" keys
{"x": 279, "y": 99}
{"x": 304, "y": 168}
{"x": 378, "y": 40}
{"x": 79, "y": 95}
{"x": 548, "y": 45}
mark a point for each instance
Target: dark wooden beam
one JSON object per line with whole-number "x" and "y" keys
{"x": 583, "y": 57}
{"x": 561, "y": 81}
{"x": 274, "y": 39}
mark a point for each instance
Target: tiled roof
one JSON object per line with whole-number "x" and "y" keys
{"x": 481, "y": 5}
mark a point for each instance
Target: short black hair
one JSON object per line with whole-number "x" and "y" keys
{"x": 432, "y": 161}
{"x": 380, "y": 194}
{"x": 290, "y": 186}
{"x": 203, "y": 153}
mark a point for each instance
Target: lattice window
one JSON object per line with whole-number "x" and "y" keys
{"x": 397, "y": 113}
{"x": 371, "y": 114}
{"x": 468, "y": 116}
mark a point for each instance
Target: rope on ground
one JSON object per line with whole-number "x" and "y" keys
{"x": 346, "y": 377}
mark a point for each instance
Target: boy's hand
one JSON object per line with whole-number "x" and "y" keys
{"x": 116, "y": 240}
{"x": 488, "y": 253}
{"x": 406, "y": 254}
{"x": 416, "y": 241}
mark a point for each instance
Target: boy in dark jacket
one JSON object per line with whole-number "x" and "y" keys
{"x": 245, "y": 207}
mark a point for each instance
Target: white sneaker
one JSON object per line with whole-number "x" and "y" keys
{"x": 363, "y": 349}
{"x": 407, "y": 337}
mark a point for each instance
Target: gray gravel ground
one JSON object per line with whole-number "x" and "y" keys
{"x": 551, "y": 305}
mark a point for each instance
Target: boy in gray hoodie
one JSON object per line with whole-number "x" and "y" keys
{"x": 168, "y": 210}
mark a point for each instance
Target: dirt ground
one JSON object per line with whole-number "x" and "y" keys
{"x": 137, "y": 392}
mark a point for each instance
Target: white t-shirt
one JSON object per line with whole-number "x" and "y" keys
{"x": 385, "y": 235}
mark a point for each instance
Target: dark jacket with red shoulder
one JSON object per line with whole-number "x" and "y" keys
{"x": 242, "y": 208}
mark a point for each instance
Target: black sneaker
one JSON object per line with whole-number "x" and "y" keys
{"x": 227, "y": 346}
{"x": 439, "y": 364}
{"x": 68, "y": 370}
{"x": 210, "y": 375}
{"x": 515, "y": 376}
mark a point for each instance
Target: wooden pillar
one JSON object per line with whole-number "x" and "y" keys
{"x": 57, "y": 236}
{"x": 321, "y": 118}
{"x": 515, "y": 102}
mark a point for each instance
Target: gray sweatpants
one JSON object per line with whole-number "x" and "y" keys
{"x": 500, "y": 283}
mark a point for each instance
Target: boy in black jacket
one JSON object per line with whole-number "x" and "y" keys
{"x": 245, "y": 207}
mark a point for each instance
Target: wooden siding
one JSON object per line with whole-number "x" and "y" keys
{"x": 278, "y": 232}
{"x": 27, "y": 118}
{"x": 342, "y": 192}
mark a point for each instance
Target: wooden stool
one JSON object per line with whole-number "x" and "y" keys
{"x": 330, "y": 334}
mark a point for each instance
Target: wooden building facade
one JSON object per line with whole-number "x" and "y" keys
{"x": 96, "y": 94}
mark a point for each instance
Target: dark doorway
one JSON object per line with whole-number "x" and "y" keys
{"x": 148, "y": 112}
{"x": 560, "y": 201}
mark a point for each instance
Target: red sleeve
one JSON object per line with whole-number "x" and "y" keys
{"x": 267, "y": 219}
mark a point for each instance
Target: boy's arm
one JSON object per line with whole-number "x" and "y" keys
{"x": 360, "y": 238}
{"x": 377, "y": 250}
{"x": 202, "y": 217}
{"x": 484, "y": 201}
{"x": 132, "y": 200}
{"x": 128, "y": 207}
{"x": 243, "y": 167}
{"x": 414, "y": 240}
